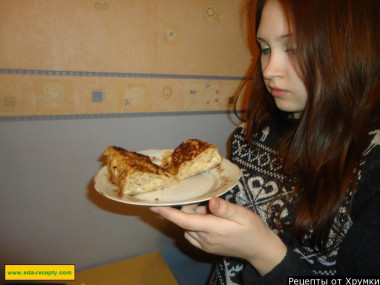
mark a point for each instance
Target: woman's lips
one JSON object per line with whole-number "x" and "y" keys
{"x": 276, "y": 92}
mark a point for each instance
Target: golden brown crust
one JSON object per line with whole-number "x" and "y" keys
{"x": 188, "y": 150}
{"x": 129, "y": 170}
{"x": 192, "y": 157}
{"x": 131, "y": 161}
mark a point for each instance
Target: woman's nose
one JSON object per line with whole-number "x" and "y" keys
{"x": 271, "y": 67}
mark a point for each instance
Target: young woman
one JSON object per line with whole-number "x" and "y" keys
{"x": 308, "y": 202}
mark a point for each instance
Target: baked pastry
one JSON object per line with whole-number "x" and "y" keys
{"x": 191, "y": 157}
{"x": 135, "y": 173}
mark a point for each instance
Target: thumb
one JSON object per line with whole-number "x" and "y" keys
{"x": 226, "y": 210}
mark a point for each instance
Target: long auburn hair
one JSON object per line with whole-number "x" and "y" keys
{"x": 337, "y": 58}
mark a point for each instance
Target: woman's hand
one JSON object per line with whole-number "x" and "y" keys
{"x": 230, "y": 230}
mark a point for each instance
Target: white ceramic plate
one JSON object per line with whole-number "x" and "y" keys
{"x": 195, "y": 189}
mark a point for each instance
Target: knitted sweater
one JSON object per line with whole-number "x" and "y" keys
{"x": 357, "y": 249}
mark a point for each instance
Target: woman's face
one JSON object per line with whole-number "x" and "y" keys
{"x": 276, "y": 44}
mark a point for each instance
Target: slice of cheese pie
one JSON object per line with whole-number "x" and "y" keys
{"x": 135, "y": 173}
{"x": 193, "y": 156}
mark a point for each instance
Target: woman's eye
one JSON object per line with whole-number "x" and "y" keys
{"x": 265, "y": 50}
{"x": 291, "y": 50}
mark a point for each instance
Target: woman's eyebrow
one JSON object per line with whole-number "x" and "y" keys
{"x": 260, "y": 39}
{"x": 280, "y": 38}
{"x": 286, "y": 36}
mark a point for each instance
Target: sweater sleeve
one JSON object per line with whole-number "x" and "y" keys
{"x": 291, "y": 265}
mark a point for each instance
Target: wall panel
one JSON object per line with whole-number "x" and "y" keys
{"x": 120, "y": 56}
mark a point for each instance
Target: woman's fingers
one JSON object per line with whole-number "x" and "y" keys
{"x": 193, "y": 238}
{"x": 189, "y": 208}
{"x": 194, "y": 208}
{"x": 187, "y": 221}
